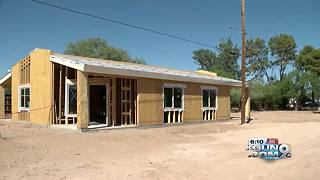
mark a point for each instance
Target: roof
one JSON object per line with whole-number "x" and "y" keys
{"x": 94, "y": 65}
{"x": 5, "y": 78}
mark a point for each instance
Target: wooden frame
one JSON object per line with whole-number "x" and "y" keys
{"x": 104, "y": 81}
{"x": 209, "y": 88}
{"x": 19, "y": 97}
{"x": 68, "y": 83}
{"x": 172, "y": 98}
{"x": 209, "y": 113}
{"x": 172, "y": 111}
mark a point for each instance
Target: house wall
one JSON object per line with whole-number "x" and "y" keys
{"x": 150, "y": 101}
{"x": 82, "y": 100}
{"x": 40, "y": 88}
{"x": 1, "y": 102}
{"x": 150, "y": 96}
{"x": 15, "y": 82}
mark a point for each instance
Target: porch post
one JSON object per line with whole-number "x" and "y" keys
{"x": 1, "y": 102}
{"x": 82, "y": 100}
{"x": 247, "y": 107}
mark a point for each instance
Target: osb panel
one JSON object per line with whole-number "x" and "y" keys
{"x": 150, "y": 105}
{"x": 15, "y": 81}
{"x": 82, "y": 101}
{"x": 192, "y": 102}
{"x": 223, "y": 111}
{"x": 1, "y": 102}
{"x": 150, "y": 101}
{"x": 41, "y": 86}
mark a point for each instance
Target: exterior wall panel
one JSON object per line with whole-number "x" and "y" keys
{"x": 150, "y": 101}
{"x": 1, "y": 102}
{"x": 40, "y": 88}
{"x": 15, "y": 81}
{"x": 82, "y": 101}
{"x": 223, "y": 112}
{"x": 150, "y": 105}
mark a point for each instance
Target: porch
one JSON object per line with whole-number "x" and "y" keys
{"x": 89, "y": 100}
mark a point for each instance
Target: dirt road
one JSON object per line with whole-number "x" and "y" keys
{"x": 198, "y": 151}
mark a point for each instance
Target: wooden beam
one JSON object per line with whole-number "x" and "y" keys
{"x": 114, "y": 101}
{"x": 66, "y": 120}
{"x": 60, "y": 92}
{"x": 82, "y": 100}
{"x": 52, "y": 93}
{"x": 174, "y": 116}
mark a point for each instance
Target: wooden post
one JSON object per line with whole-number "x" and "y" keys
{"x": 2, "y": 102}
{"x": 181, "y": 116}
{"x": 66, "y": 121}
{"x": 52, "y": 93}
{"x": 114, "y": 101}
{"x": 60, "y": 92}
{"x": 82, "y": 100}
{"x": 174, "y": 116}
{"x": 243, "y": 60}
{"x": 247, "y": 107}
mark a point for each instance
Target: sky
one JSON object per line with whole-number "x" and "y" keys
{"x": 25, "y": 25}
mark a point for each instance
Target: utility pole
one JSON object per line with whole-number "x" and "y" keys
{"x": 243, "y": 61}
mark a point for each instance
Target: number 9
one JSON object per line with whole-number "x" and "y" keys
{"x": 284, "y": 149}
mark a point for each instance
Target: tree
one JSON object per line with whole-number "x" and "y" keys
{"x": 99, "y": 48}
{"x": 257, "y": 59}
{"x": 235, "y": 96}
{"x": 224, "y": 62}
{"x": 206, "y": 59}
{"x": 265, "y": 97}
{"x": 309, "y": 59}
{"x": 283, "y": 49}
{"x": 228, "y": 56}
{"x": 299, "y": 86}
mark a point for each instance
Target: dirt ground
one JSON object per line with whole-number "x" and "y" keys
{"x": 198, "y": 151}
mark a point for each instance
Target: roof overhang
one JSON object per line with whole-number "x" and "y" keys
{"x": 153, "y": 75}
{"x": 118, "y": 69}
{"x": 5, "y": 78}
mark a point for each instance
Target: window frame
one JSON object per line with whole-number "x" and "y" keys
{"x": 20, "y": 108}
{"x": 69, "y": 82}
{"x": 172, "y": 86}
{"x": 203, "y": 88}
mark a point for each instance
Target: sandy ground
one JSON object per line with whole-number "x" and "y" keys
{"x": 197, "y": 151}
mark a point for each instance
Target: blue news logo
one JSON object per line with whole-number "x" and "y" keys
{"x": 267, "y": 148}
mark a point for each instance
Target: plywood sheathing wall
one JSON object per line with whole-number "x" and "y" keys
{"x": 150, "y": 101}
{"x": 193, "y": 102}
{"x": 40, "y": 88}
{"x": 223, "y": 112}
{"x": 15, "y": 82}
{"x": 1, "y": 102}
{"x": 82, "y": 100}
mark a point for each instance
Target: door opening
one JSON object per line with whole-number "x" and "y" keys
{"x": 98, "y": 105}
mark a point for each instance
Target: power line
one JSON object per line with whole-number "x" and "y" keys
{"x": 123, "y": 23}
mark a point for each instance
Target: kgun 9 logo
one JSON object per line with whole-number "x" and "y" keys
{"x": 267, "y": 148}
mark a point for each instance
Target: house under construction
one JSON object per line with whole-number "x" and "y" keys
{"x": 56, "y": 89}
